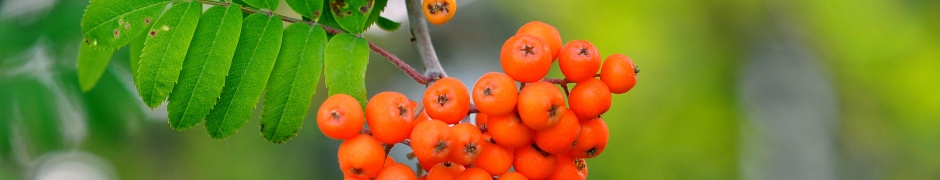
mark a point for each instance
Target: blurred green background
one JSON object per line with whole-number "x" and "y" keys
{"x": 729, "y": 89}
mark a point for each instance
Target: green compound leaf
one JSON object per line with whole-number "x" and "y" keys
{"x": 164, "y": 50}
{"x": 263, "y": 4}
{"x": 387, "y": 24}
{"x": 254, "y": 59}
{"x": 111, "y": 24}
{"x": 293, "y": 82}
{"x": 307, "y": 8}
{"x": 346, "y": 59}
{"x": 351, "y": 15}
{"x": 326, "y": 18}
{"x": 206, "y": 65}
{"x": 136, "y": 48}
{"x": 91, "y": 64}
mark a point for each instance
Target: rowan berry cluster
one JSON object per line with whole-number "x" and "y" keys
{"x": 531, "y": 130}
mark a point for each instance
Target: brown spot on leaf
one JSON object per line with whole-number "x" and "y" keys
{"x": 364, "y": 9}
{"x": 117, "y": 33}
{"x": 86, "y": 41}
{"x": 153, "y": 33}
{"x": 127, "y": 25}
{"x": 337, "y": 6}
{"x": 147, "y": 20}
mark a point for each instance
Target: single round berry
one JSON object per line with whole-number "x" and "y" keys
{"x": 474, "y": 173}
{"x": 340, "y": 117}
{"x": 509, "y": 131}
{"x": 561, "y": 137}
{"x": 532, "y": 162}
{"x": 579, "y": 60}
{"x": 446, "y": 170}
{"x": 568, "y": 167}
{"x": 390, "y": 116}
{"x": 447, "y": 100}
{"x": 541, "y": 105}
{"x": 525, "y": 58}
{"x": 466, "y": 144}
{"x": 592, "y": 140}
{"x": 396, "y": 171}
{"x": 494, "y": 158}
{"x": 439, "y": 11}
{"x": 495, "y": 94}
{"x": 431, "y": 141}
{"x": 481, "y": 120}
{"x": 361, "y": 156}
{"x": 590, "y": 98}
{"x": 619, "y": 73}
{"x": 547, "y": 32}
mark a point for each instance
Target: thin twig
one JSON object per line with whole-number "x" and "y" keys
{"x": 418, "y": 77}
{"x": 422, "y": 40}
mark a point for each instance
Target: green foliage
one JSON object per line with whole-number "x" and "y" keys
{"x": 374, "y": 15}
{"x": 258, "y": 46}
{"x": 263, "y": 4}
{"x": 346, "y": 59}
{"x": 91, "y": 64}
{"x": 352, "y": 15}
{"x": 310, "y": 9}
{"x": 164, "y": 50}
{"x": 387, "y": 24}
{"x": 293, "y": 82}
{"x": 136, "y": 48}
{"x": 111, "y": 24}
{"x": 206, "y": 65}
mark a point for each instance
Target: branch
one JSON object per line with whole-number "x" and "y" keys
{"x": 422, "y": 40}
{"x": 418, "y": 77}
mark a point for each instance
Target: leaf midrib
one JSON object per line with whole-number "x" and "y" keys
{"x": 254, "y": 51}
{"x": 163, "y": 55}
{"x": 202, "y": 71}
{"x": 293, "y": 79}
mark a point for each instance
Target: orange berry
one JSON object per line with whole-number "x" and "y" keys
{"x": 446, "y": 170}
{"x": 547, "y": 32}
{"x": 589, "y": 98}
{"x": 579, "y": 60}
{"x": 388, "y": 161}
{"x": 447, "y": 100}
{"x": 567, "y": 167}
{"x": 474, "y": 174}
{"x": 481, "y": 120}
{"x": 494, "y": 158}
{"x": 439, "y": 11}
{"x": 509, "y": 131}
{"x": 389, "y": 116}
{"x": 495, "y": 94}
{"x": 396, "y": 171}
{"x": 430, "y": 141}
{"x": 532, "y": 162}
{"x": 561, "y": 137}
{"x": 541, "y": 105}
{"x": 361, "y": 156}
{"x": 512, "y": 176}
{"x": 619, "y": 73}
{"x": 592, "y": 140}
{"x": 466, "y": 143}
{"x": 340, "y": 117}
{"x": 525, "y": 58}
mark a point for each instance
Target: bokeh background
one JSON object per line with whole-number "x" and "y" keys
{"x": 729, "y": 89}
